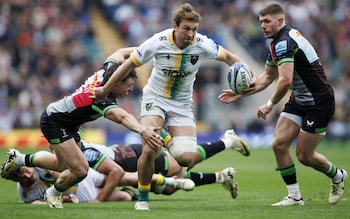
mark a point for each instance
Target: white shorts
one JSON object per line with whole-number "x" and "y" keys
{"x": 174, "y": 112}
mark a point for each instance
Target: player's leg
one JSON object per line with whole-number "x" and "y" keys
{"x": 70, "y": 155}
{"x": 286, "y": 131}
{"x": 309, "y": 138}
{"x": 226, "y": 177}
{"x": 183, "y": 145}
{"x": 207, "y": 150}
{"x": 16, "y": 159}
{"x": 145, "y": 164}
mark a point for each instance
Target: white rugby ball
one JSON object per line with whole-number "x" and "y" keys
{"x": 238, "y": 77}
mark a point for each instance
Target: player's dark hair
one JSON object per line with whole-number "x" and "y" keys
{"x": 186, "y": 12}
{"x": 111, "y": 67}
{"x": 272, "y": 9}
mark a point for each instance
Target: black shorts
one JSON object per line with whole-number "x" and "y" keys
{"x": 56, "y": 132}
{"x": 127, "y": 155}
{"x": 314, "y": 119}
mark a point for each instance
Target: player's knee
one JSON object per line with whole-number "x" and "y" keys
{"x": 149, "y": 152}
{"x": 304, "y": 158}
{"x": 182, "y": 149}
{"x": 278, "y": 147}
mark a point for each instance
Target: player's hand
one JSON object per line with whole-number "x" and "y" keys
{"x": 263, "y": 111}
{"x": 228, "y": 96}
{"x": 151, "y": 137}
{"x": 98, "y": 93}
{"x": 252, "y": 87}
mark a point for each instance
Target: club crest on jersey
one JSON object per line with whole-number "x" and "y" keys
{"x": 148, "y": 106}
{"x": 194, "y": 59}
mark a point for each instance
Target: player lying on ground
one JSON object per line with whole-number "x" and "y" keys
{"x": 32, "y": 183}
{"x": 126, "y": 156}
{"x": 34, "y": 180}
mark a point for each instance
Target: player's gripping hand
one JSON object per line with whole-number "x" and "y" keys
{"x": 98, "y": 93}
{"x": 151, "y": 137}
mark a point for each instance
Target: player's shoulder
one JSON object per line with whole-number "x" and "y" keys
{"x": 163, "y": 36}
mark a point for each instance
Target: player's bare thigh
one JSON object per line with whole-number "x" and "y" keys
{"x": 69, "y": 154}
{"x": 285, "y": 132}
{"x": 152, "y": 120}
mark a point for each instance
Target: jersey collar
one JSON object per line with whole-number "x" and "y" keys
{"x": 171, "y": 38}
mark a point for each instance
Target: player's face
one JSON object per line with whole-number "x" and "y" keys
{"x": 24, "y": 175}
{"x": 270, "y": 25}
{"x": 123, "y": 88}
{"x": 185, "y": 33}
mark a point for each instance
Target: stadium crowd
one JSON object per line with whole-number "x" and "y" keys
{"x": 48, "y": 47}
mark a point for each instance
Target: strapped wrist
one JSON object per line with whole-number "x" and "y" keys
{"x": 269, "y": 104}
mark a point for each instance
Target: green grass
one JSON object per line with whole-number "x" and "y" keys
{"x": 259, "y": 186}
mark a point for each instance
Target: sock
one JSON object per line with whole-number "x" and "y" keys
{"x": 166, "y": 137}
{"x": 209, "y": 149}
{"x": 335, "y": 174}
{"x": 201, "y": 178}
{"x": 169, "y": 181}
{"x": 20, "y": 161}
{"x": 53, "y": 190}
{"x": 290, "y": 178}
{"x": 227, "y": 142}
{"x": 288, "y": 174}
{"x": 29, "y": 160}
{"x": 294, "y": 191}
{"x": 160, "y": 180}
{"x": 144, "y": 192}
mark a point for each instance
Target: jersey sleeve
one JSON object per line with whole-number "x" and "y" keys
{"x": 145, "y": 51}
{"x": 214, "y": 50}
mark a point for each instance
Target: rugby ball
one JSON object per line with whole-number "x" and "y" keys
{"x": 238, "y": 77}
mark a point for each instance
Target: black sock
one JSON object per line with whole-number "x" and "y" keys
{"x": 202, "y": 178}
{"x": 207, "y": 150}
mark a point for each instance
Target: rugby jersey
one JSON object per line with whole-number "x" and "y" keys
{"x": 174, "y": 70}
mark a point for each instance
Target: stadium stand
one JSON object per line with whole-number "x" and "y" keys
{"x": 47, "y": 48}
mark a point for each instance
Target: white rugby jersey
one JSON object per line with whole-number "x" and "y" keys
{"x": 88, "y": 188}
{"x": 174, "y": 70}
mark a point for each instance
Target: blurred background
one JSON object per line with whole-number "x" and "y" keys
{"x": 49, "y": 47}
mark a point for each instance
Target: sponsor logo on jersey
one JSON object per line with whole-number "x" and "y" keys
{"x": 148, "y": 106}
{"x": 281, "y": 47}
{"x": 172, "y": 72}
{"x": 194, "y": 59}
{"x": 162, "y": 38}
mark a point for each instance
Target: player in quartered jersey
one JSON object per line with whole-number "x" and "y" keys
{"x": 295, "y": 65}
{"x": 177, "y": 54}
{"x": 61, "y": 120}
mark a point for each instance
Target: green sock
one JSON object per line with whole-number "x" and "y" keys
{"x": 144, "y": 192}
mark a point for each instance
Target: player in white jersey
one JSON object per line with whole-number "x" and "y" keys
{"x": 177, "y": 54}
{"x": 32, "y": 183}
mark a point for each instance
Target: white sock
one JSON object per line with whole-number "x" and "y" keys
{"x": 338, "y": 177}
{"x": 227, "y": 142}
{"x": 20, "y": 160}
{"x": 294, "y": 191}
{"x": 169, "y": 181}
{"x": 52, "y": 191}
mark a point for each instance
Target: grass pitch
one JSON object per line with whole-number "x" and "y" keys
{"x": 259, "y": 186}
